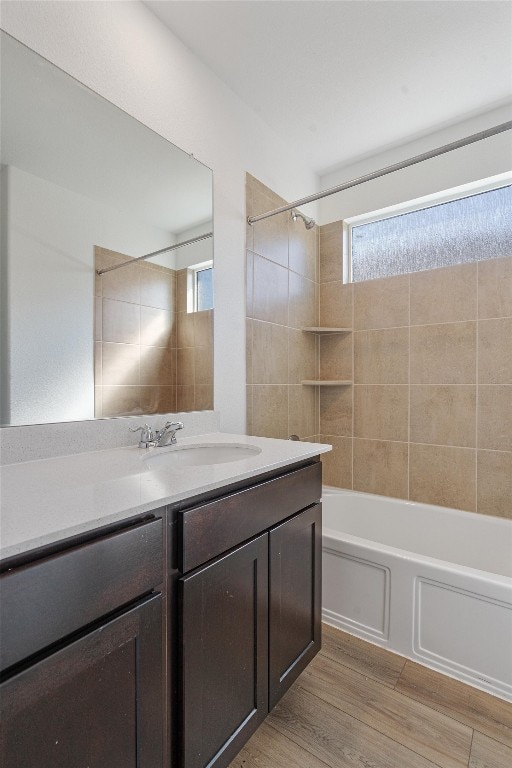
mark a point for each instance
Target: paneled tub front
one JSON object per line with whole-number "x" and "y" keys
{"x": 430, "y": 583}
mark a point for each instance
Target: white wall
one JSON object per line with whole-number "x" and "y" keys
{"x": 51, "y": 233}
{"x": 121, "y": 50}
{"x": 4, "y": 317}
{"x": 481, "y": 160}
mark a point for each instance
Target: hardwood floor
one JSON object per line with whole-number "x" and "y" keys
{"x": 360, "y": 706}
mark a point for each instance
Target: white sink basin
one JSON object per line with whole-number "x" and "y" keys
{"x": 198, "y": 455}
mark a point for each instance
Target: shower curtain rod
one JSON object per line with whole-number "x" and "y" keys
{"x": 156, "y": 253}
{"x": 384, "y": 171}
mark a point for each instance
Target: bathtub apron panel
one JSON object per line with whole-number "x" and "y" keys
{"x": 449, "y": 616}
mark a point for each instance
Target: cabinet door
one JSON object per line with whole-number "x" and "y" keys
{"x": 96, "y": 702}
{"x": 295, "y": 598}
{"x": 224, "y": 655}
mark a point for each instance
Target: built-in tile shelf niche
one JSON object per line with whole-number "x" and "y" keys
{"x": 331, "y": 383}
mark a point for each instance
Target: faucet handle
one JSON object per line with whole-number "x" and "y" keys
{"x": 144, "y": 428}
{"x": 146, "y": 437}
{"x": 174, "y": 425}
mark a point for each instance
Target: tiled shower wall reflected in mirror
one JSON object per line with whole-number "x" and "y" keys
{"x": 151, "y": 355}
{"x": 194, "y": 359}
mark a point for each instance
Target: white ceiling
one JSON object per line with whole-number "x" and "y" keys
{"x": 342, "y": 80}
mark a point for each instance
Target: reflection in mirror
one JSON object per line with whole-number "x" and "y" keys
{"x": 84, "y": 187}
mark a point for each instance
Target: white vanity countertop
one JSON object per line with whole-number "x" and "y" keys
{"x": 48, "y": 500}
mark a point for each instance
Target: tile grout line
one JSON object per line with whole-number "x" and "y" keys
{"x": 317, "y": 338}
{"x": 279, "y": 264}
{"x": 352, "y": 296}
{"x": 252, "y": 343}
{"x": 288, "y": 332}
{"x": 430, "y": 325}
{"x": 477, "y": 379}
{"x": 405, "y": 442}
{"x": 353, "y": 379}
{"x": 431, "y": 385}
{"x": 409, "y": 401}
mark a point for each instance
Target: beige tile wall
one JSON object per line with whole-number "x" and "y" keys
{"x": 151, "y": 356}
{"x": 429, "y": 416}
{"x": 282, "y": 298}
{"x": 135, "y": 338}
{"x": 194, "y": 353}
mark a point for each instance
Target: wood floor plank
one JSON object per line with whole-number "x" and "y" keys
{"x": 370, "y": 660}
{"x": 336, "y": 738}
{"x": 269, "y": 748}
{"x": 488, "y": 753}
{"x": 481, "y": 711}
{"x": 431, "y": 734}
{"x": 345, "y": 711}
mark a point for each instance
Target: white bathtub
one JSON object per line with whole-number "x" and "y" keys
{"x": 430, "y": 583}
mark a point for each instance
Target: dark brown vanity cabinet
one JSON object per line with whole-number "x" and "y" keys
{"x": 131, "y": 648}
{"x": 96, "y": 702}
{"x": 295, "y": 596}
{"x": 81, "y": 655}
{"x": 250, "y": 617}
{"x": 224, "y": 647}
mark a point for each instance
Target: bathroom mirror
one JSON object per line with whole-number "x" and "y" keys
{"x": 84, "y": 187}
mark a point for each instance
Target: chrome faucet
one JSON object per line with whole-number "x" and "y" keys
{"x": 147, "y": 437}
{"x": 158, "y": 439}
{"x": 170, "y": 428}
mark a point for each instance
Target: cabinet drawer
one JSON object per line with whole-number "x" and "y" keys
{"x": 213, "y": 528}
{"x": 43, "y": 602}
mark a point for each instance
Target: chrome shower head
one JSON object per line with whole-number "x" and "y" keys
{"x": 308, "y": 223}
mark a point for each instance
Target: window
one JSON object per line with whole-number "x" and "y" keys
{"x": 200, "y": 287}
{"x": 204, "y": 289}
{"x": 459, "y": 228}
